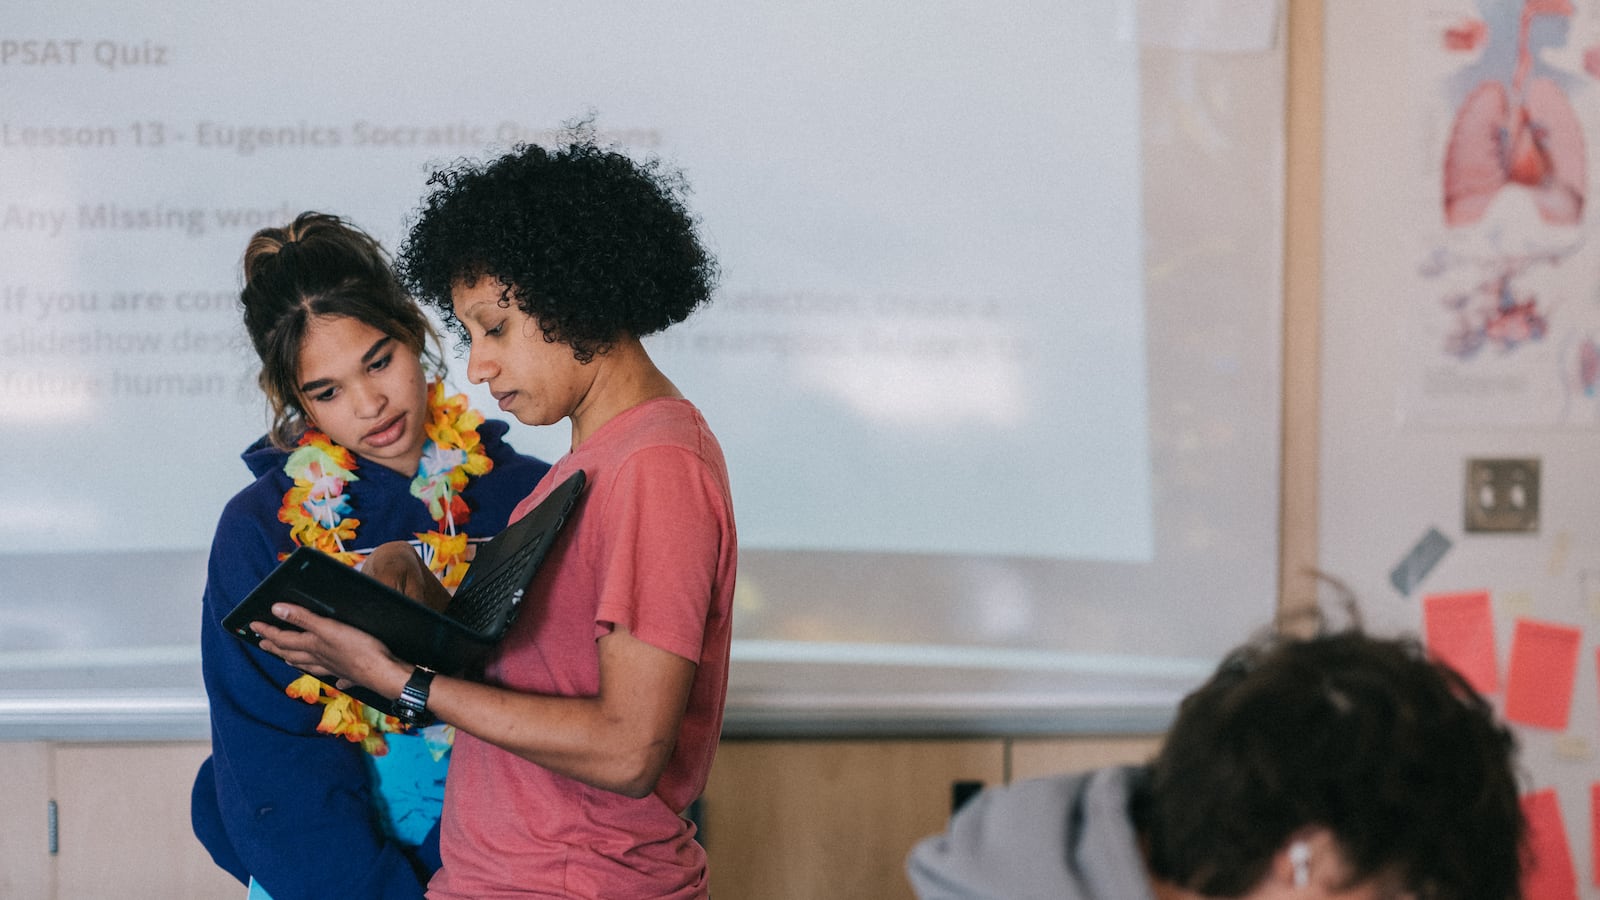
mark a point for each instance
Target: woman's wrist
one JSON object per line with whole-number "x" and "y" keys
{"x": 402, "y": 674}
{"x": 412, "y": 705}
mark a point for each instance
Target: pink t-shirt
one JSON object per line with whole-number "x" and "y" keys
{"x": 650, "y": 546}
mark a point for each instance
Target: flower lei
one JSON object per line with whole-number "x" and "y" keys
{"x": 317, "y": 511}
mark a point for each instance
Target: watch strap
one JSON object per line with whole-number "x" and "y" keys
{"x": 412, "y": 704}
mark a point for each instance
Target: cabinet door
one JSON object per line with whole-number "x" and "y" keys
{"x": 27, "y": 870}
{"x": 834, "y": 819}
{"x": 1036, "y": 757}
{"x": 124, "y": 823}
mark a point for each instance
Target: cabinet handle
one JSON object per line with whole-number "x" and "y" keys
{"x": 53, "y": 823}
{"x": 961, "y": 792}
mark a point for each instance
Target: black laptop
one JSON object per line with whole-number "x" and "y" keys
{"x": 454, "y": 642}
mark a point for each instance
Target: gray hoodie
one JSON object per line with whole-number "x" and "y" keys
{"x": 1067, "y": 837}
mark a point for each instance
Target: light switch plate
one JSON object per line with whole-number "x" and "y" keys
{"x": 1502, "y": 495}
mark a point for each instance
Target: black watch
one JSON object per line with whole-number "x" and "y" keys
{"x": 412, "y": 704}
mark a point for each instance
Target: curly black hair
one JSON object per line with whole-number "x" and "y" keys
{"x": 593, "y": 245}
{"x": 1392, "y": 752}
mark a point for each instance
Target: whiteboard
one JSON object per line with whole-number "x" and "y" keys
{"x": 994, "y": 357}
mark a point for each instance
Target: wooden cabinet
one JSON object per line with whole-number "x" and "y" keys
{"x": 781, "y": 819}
{"x": 831, "y": 819}
{"x": 123, "y": 812}
{"x": 796, "y": 820}
{"x": 122, "y": 818}
{"x": 27, "y": 871}
{"x": 1037, "y": 757}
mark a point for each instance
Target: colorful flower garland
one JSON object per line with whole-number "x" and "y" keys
{"x": 317, "y": 511}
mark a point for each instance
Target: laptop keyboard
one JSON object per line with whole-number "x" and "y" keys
{"x": 482, "y": 605}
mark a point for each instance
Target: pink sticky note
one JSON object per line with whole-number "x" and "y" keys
{"x": 1459, "y": 630}
{"x": 1594, "y": 831}
{"x": 1549, "y": 874}
{"x": 1544, "y": 663}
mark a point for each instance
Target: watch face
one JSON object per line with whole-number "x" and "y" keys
{"x": 410, "y": 711}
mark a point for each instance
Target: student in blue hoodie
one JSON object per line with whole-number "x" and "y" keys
{"x": 307, "y": 793}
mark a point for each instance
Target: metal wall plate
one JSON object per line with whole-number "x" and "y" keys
{"x": 1502, "y": 495}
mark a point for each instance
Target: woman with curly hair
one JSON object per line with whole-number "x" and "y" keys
{"x": 598, "y": 717}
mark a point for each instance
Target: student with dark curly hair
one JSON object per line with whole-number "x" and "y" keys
{"x": 598, "y": 717}
{"x": 1341, "y": 766}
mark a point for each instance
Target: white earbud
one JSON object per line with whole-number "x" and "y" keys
{"x": 1300, "y": 859}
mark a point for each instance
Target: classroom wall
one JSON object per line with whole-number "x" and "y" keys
{"x": 1390, "y": 468}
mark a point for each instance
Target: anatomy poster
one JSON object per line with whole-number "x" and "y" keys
{"x": 1505, "y": 303}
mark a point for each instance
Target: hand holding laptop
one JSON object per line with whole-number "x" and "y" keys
{"x": 395, "y": 564}
{"x": 337, "y": 653}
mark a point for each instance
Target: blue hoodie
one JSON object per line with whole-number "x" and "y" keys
{"x": 277, "y": 800}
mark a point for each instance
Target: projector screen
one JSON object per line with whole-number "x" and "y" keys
{"x": 993, "y": 358}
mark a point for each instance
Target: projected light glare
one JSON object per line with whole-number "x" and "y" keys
{"x": 1004, "y": 608}
{"x": 45, "y": 398}
{"x": 918, "y": 392}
